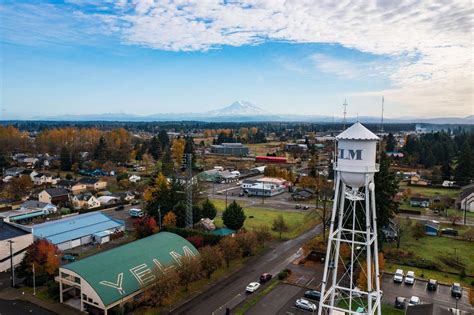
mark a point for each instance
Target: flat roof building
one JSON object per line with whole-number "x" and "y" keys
{"x": 230, "y": 149}
{"x": 20, "y": 240}
{"x": 113, "y": 277}
{"x": 76, "y": 230}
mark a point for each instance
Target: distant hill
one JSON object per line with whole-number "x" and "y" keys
{"x": 244, "y": 111}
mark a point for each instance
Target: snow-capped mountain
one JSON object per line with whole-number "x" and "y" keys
{"x": 238, "y": 108}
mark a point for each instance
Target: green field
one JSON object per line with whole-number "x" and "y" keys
{"x": 442, "y": 251}
{"x": 430, "y": 192}
{"x": 298, "y": 222}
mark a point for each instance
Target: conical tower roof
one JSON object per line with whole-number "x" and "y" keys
{"x": 357, "y": 132}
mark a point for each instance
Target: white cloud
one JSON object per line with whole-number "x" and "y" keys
{"x": 431, "y": 41}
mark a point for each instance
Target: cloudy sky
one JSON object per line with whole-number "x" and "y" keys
{"x": 293, "y": 56}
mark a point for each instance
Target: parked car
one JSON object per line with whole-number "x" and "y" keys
{"x": 119, "y": 208}
{"x": 136, "y": 213}
{"x": 305, "y": 207}
{"x": 265, "y": 277}
{"x": 398, "y": 277}
{"x": 410, "y": 277}
{"x": 449, "y": 231}
{"x": 305, "y": 304}
{"x": 456, "y": 290}
{"x": 313, "y": 295}
{"x": 252, "y": 287}
{"x": 414, "y": 300}
{"x": 432, "y": 285}
{"x": 68, "y": 257}
{"x": 241, "y": 194}
{"x": 400, "y": 303}
{"x": 297, "y": 206}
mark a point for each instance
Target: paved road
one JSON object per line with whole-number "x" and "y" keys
{"x": 441, "y": 298}
{"x": 437, "y": 218}
{"x": 231, "y": 292}
{"x": 122, "y": 215}
{"x": 18, "y": 307}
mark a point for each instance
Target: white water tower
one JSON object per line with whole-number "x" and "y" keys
{"x": 353, "y": 228}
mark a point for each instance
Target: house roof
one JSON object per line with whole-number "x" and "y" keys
{"x": 466, "y": 191}
{"x": 88, "y": 180}
{"x": 127, "y": 265}
{"x": 35, "y": 204}
{"x": 56, "y": 192}
{"x": 357, "y": 132}
{"x": 84, "y": 196}
{"x": 65, "y": 183}
{"x": 74, "y": 227}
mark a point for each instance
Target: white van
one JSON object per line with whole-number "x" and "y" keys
{"x": 136, "y": 213}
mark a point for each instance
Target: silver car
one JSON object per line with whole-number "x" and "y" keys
{"x": 305, "y": 304}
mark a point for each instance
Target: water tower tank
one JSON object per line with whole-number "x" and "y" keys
{"x": 357, "y": 150}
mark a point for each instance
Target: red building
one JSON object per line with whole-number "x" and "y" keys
{"x": 270, "y": 159}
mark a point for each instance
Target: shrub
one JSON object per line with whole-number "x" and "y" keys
{"x": 196, "y": 240}
{"x": 282, "y": 275}
{"x": 53, "y": 290}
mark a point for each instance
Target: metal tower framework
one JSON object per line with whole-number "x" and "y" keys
{"x": 354, "y": 228}
{"x": 189, "y": 190}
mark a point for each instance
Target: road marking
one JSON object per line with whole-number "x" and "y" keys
{"x": 220, "y": 308}
{"x": 309, "y": 282}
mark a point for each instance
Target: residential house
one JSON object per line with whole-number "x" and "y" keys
{"x": 465, "y": 201}
{"x": 55, "y": 196}
{"x": 13, "y": 171}
{"x": 421, "y": 202}
{"x": 108, "y": 200}
{"x": 42, "y": 178}
{"x": 38, "y": 205}
{"x": 93, "y": 183}
{"x": 134, "y": 178}
{"x": 85, "y": 201}
{"x": 125, "y": 196}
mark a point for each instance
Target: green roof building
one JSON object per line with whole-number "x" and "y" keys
{"x": 105, "y": 280}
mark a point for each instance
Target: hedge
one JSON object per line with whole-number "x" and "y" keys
{"x": 207, "y": 239}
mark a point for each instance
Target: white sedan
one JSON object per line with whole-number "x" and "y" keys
{"x": 252, "y": 287}
{"x": 414, "y": 300}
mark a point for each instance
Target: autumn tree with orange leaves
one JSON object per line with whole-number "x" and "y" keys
{"x": 45, "y": 258}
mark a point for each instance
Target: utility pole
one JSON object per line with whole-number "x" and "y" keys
{"x": 34, "y": 280}
{"x": 11, "y": 262}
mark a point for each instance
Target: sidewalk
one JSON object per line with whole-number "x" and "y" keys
{"x": 56, "y": 307}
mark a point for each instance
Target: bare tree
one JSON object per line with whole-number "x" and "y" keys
{"x": 188, "y": 270}
{"x": 263, "y": 234}
{"x": 211, "y": 259}
{"x": 279, "y": 225}
{"x": 324, "y": 213}
{"x": 230, "y": 249}
{"x": 165, "y": 285}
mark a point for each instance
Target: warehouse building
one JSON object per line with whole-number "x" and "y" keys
{"x": 78, "y": 230}
{"x": 109, "y": 279}
{"x": 19, "y": 238}
{"x": 230, "y": 149}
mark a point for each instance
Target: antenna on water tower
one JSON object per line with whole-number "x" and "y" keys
{"x": 345, "y": 112}
{"x": 381, "y": 125}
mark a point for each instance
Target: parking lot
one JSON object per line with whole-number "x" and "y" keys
{"x": 281, "y": 300}
{"x": 441, "y": 298}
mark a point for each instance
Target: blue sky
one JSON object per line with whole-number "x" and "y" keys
{"x": 147, "y": 57}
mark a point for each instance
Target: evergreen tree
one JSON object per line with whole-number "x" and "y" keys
{"x": 155, "y": 148}
{"x": 180, "y": 211}
{"x": 464, "y": 172}
{"x": 100, "y": 152}
{"x": 167, "y": 165}
{"x": 234, "y": 216}
{"x": 65, "y": 159}
{"x": 197, "y": 213}
{"x": 164, "y": 139}
{"x": 390, "y": 146}
{"x": 208, "y": 209}
{"x": 386, "y": 187}
{"x": 446, "y": 171}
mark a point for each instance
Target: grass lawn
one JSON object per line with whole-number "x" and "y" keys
{"x": 430, "y": 192}
{"x": 264, "y": 148}
{"x": 298, "y": 222}
{"x": 387, "y": 309}
{"x": 441, "y": 251}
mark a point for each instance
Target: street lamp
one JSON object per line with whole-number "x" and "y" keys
{"x": 34, "y": 280}
{"x": 11, "y": 262}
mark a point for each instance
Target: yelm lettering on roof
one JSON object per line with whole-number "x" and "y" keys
{"x": 117, "y": 285}
{"x": 145, "y": 275}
